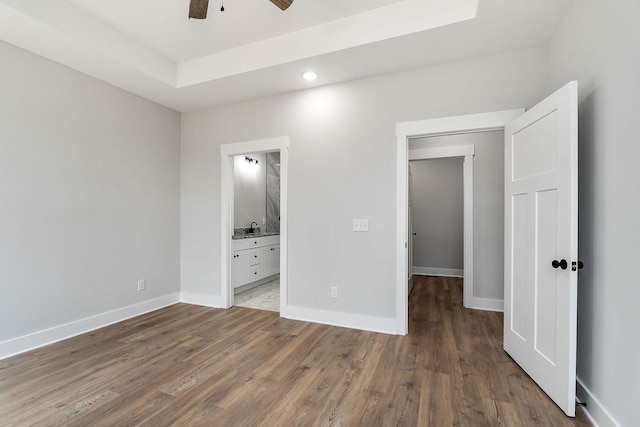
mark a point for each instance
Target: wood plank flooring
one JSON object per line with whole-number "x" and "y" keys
{"x": 194, "y": 366}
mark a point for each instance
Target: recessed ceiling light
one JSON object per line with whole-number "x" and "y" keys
{"x": 310, "y": 76}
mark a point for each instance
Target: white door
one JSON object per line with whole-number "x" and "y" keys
{"x": 541, "y": 236}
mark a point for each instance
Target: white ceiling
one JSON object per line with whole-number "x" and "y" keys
{"x": 253, "y": 49}
{"x": 162, "y": 25}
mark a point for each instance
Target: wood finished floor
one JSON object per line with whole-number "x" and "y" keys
{"x": 193, "y": 366}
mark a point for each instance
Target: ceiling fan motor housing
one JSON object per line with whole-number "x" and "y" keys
{"x": 198, "y": 8}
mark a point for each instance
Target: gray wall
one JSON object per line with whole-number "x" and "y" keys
{"x": 438, "y": 213}
{"x": 488, "y": 205}
{"x": 89, "y": 186}
{"x": 599, "y": 45}
{"x": 249, "y": 191}
{"x": 342, "y": 166}
{"x": 89, "y": 196}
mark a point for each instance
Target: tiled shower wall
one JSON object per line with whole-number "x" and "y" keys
{"x": 273, "y": 192}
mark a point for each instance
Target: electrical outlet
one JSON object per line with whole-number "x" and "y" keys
{"x": 334, "y": 292}
{"x": 142, "y": 284}
{"x": 360, "y": 225}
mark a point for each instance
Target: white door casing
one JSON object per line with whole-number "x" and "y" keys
{"x": 466, "y": 152}
{"x": 404, "y": 132}
{"x": 227, "y": 151}
{"x": 541, "y": 226}
{"x": 410, "y": 236}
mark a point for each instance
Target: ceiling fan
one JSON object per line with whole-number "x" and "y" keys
{"x": 198, "y": 8}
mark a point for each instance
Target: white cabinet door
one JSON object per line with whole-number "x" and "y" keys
{"x": 242, "y": 268}
{"x": 541, "y": 235}
{"x": 265, "y": 261}
{"x": 269, "y": 261}
{"x": 275, "y": 259}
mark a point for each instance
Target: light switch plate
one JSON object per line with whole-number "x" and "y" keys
{"x": 360, "y": 225}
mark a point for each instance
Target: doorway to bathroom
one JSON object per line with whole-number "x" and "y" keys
{"x": 254, "y": 224}
{"x": 256, "y": 231}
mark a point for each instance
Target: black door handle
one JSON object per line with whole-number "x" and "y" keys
{"x": 577, "y": 265}
{"x": 562, "y": 264}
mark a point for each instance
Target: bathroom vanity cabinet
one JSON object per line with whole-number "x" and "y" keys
{"x": 255, "y": 258}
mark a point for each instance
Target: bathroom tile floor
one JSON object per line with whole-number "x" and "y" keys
{"x": 263, "y": 297}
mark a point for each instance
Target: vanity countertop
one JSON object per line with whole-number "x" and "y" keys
{"x": 249, "y": 236}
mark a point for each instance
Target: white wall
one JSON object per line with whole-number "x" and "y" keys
{"x": 342, "y": 166}
{"x": 599, "y": 45}
{"x": 250, "y": 191}
{"x": 438, "y": 212}
{"x": 89, "y": 197}
{"x": 488, "y": 206}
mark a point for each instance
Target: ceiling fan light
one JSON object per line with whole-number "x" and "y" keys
{"x": 309, "y": 76}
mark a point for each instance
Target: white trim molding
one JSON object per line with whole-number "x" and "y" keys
{"x": 442, "y": 152}
{"x": 481, "y": 122}
{"x": 213, "y": 301}
{"x": 38, "y": 339}
{"x": 487, "y": 304}
{"x": 345, "y": 320}
{"x": 595, "y": 411}
{"x": 410, "y": 130}
{"x": 440, "y": 272}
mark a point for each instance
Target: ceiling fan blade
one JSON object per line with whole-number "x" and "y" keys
{"x": 282, "y": 4}
{"x": 198, "y": 9}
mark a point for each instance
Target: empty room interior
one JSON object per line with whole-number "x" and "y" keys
{"x": 319, "y": 212}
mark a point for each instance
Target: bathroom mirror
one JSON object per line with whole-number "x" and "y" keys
{"x": 257, "y": 193}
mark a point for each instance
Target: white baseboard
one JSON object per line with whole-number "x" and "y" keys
{"x": 345, "y": 320}
{"x": 213, "y": 301}
{"x": 38, "y": 339}
{"x": 444, "y": 272}
{"x": 594, "y": 410}
{"x": 487, "y": 304}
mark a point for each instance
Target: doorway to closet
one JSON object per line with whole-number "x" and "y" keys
{"x": 450, "y": 127}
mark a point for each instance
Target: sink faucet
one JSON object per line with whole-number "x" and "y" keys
{"x": 251, "y": 230}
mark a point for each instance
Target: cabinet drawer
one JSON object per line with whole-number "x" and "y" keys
{"x": 243, "y": 244}
{"x": 256, "y": 242}
{"x": 254, "y": 273}
{"x": 254, "y": 257}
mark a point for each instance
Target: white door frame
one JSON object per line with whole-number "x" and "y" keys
{"x": 466, "y": 152}
{"x": 227, "y": 152}
{"x": 410, "y": 130}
